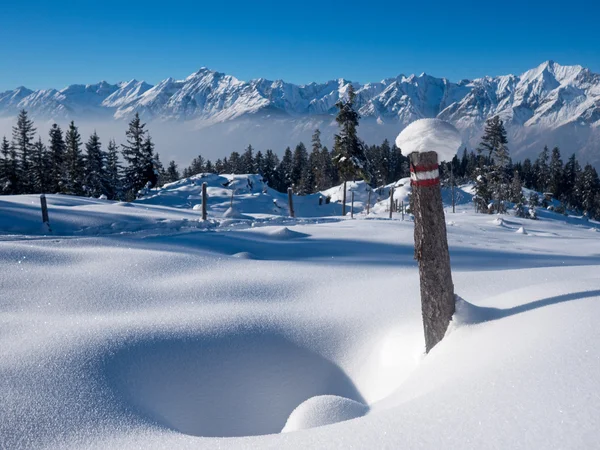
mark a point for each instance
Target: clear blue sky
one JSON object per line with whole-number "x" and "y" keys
{"x": 55, "y": 43}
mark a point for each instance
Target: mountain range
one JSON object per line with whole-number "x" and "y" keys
{"x": 548, "y": 105}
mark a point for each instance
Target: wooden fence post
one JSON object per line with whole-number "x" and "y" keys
{"x": 402, "y": 207}
{"x": 344, "y": 200}
{"x": 431, "y": 247}
{"x": 204, "y": 201}
{"x": 291, "y": 202}
{"x": 391, "y": 201}
{"x": 369, "y": 202}
{"x": 352, "y": 206}
{"x": 45, "y": 218}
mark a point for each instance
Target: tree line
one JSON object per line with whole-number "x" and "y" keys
{"x": 498, "y": 181}
{"x": 65, "y": 165}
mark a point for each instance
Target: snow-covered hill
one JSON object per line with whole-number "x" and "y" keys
{"x": 137, "y": 325}
{"x": 550, "y": 104}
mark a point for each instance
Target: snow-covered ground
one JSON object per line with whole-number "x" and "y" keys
{"x": 139, "y": 326}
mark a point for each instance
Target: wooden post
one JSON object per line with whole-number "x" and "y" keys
{"x": 452, "y": 182}
{"x": 402, "y": 207}
{"x": 344, "y": 200}
{"x": 291, "y": 202}
{"x": 431, "y": 247}
{"x": 391, "y": 201}
{"x": 204, "y": 201}
{"x": 352, "y": 206}
{"x": 369, "y": 202}
{"x": 45, "y": 218}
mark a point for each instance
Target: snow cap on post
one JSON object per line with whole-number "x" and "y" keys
{"x": 430, "y": 135}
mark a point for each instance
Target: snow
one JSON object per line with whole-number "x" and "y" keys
{"x": 323, "y": 410}
{"x": 430, "y": 135}
{"x": 141, "y": 326}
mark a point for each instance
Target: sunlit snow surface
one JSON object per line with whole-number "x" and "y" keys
{"x": 139, "y": 326}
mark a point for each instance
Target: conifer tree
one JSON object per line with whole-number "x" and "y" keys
{"x": 270, "y": 173}
{"x": 493, "y": 147}
{"x": 74, "y": 163}
{"x": 172, "y": 173}
{"x": 95, "y": 179}
{"x": 235, "y": 163}
{"x": 300, "y": 169}
{"x": 137, "y": 153}
{"x": 40, "y": 167}
{"x": 219, "y": 166}
{"x": 259, "y": 162}
{"x": 8, "y": 169}
{"x": 57, "y": 152}
{"x": 285, "y": 169}
{"x": 588, "y": 185}
{"x": 113, "y": 171}
{"x": 23, "y": 137}
{"x": 556, "y": 174}
{"x": 247, "y": 161}
{"x": 209, "y": 167}
{"x": 542, "y": 170}
{"x": 348, "y": 151}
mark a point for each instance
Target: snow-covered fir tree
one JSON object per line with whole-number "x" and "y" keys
{"x": 348, "y": 151}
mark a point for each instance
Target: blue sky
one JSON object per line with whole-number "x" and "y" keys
{"x": 52, "y": 44}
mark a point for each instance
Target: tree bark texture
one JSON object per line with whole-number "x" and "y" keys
{"x": 431, "y": 248}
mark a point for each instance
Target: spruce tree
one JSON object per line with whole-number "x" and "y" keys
{"x": 23, "y": 136}
{"x": 57, "y": 151}
{"x": 556, "y": 174}
{"x": 40, "y": 167}
{"x": 285, "y": 169}
{"x": 139, "y": 169}
{"x": 270, "y": 173}
{"x": 113, "y": 172}
{"x": 259, "y": 163}
{"x": 172, "y": 173}
{"x": 209, "y": 167}
{"x": 74, "y": 163}
{"x": 95, "y": 179}
{"x": 300, "y": 169}
{"x": 348, "y": 151}
{"x": 247, "y": 161}
{"x": 493, "y": 147}
{"x": 235, "y": 163}
{"x": 588, "y": 186}
{"x": 219, "y": 166}
{"x": 542, "y": 170}
{"x": 7, "y": 168}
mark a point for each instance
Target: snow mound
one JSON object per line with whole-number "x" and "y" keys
{"x": 324, "y": 410}
{"x": 197, "y": 207}
{"x": 498, "y": 221}
{"x": 427, "y": 135}
{"x": 244, "y": 255}
{"x": 285, "y": 233}
{"x": 232, "y": 213}
{"x": 521, "y": 230}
